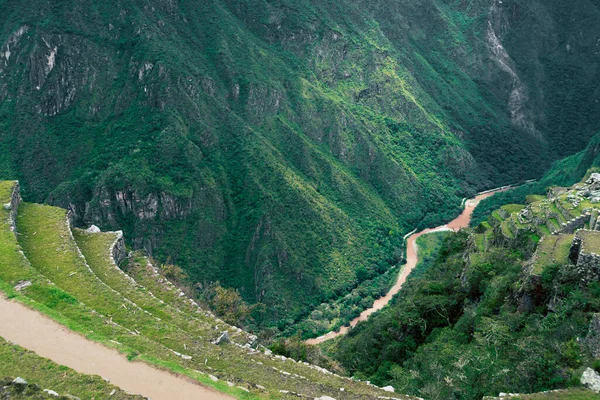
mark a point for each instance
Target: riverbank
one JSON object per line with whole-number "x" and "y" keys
{"x": 412, "y": 259}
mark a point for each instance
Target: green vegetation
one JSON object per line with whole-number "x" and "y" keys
{"x": 335, "y": 313}
{"x": 16, "y": 361}
{"x": 565, "y": 172}
{"x": 553, "y": 250}
{"x": 572, "y": 394}
{"x": 479, "y": 322}
{"x": 280, "y": 148}
{"x": 89, "y": 294}
{"x": 591, "y": 242}
{"x": 429, "y": 246}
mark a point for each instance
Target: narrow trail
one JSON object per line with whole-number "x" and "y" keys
{"x": 460, "y": 222}
{"x": 47, "y": 338}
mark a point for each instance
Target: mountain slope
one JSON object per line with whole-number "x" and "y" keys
{"x": 272, "y": 145}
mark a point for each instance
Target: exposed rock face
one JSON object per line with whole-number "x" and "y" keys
{"x": 518, "y": 99}
{"x": 591, "y": 380}
{"x": 592, "y": 340}
{"x": 131, "y": 202}
{"x": 15, "y": 200}
{"x": 118, "y": 251}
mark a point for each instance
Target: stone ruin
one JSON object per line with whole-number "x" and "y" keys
{"x": 585, "y": 254}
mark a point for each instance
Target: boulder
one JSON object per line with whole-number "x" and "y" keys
{"x": 22, "y": 285}
{"x": 388, "y": 388}
{"x": 595, "y": 177}
{"x": 93, "y": 229}
{"x": 19, "y": 381}
{"x": 591, "y": 380}
{"x": 224, "y": 338}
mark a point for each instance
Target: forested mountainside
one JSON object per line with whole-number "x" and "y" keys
{"x": 508, "y": 306}
{"x": 278, "y": 146}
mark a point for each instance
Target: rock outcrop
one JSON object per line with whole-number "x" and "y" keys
{"x": 591, "y": 380}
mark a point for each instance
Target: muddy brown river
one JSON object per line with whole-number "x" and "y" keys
{"x": 35, "y": 332}
{"x": 460, "y": 222}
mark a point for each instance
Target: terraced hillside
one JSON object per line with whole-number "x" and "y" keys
{"x": 563, "y": 211}
{"x": 572, "y": 394}
{"x": 72, "y": 276}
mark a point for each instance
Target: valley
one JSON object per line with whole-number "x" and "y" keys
{"x": 219, "y": 195}
{"x": 412, "y": 259}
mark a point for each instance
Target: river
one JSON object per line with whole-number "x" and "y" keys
{"x": 458, "y": 223}
{"x": 49, "y": 339}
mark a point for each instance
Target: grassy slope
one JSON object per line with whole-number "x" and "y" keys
{"x": 572, "y": 394}
{"x": 552, "y": 251}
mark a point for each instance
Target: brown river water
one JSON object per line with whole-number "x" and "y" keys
{"x": 460, "y": 222}
{"x": 33, "y": 331}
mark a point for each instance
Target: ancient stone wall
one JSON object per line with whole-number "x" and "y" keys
{"x": 13, "y": 206}
{"x": 589, "y": 261}
{"x": 576, "y": 223}
{"x": 118, "y": 251}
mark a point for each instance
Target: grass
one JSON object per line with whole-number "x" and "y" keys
{"x": 17, "y": 361}
{"x": 106, "y": 310}
{"x": 513, "y": 208}
{"x": 534, "y": 198}
{"x": 479, "y": 240}
{"x": 554, "y": 249}
{"x": 591, "y": 241}
{"x": 497, "y": 217}
{"x": 506, "y": 229}
{"x": 96, "y": 250}
{"x": 6, "y": 189}
{"x": 428, "y": 246}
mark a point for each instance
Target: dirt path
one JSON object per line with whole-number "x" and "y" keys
{"x": 51, "y": 340}
{"x": 462, "y": 221}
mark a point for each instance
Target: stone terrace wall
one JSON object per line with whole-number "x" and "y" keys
{"x": 15, "y": 200}
{"x": 118, "y": 251}
{"x": 576, "y": 223}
